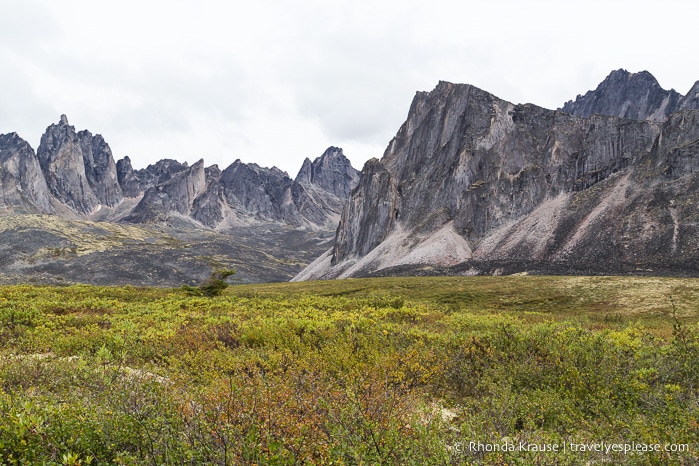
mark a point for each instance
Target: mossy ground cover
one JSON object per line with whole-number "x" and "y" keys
{"x": 376, "y": 371}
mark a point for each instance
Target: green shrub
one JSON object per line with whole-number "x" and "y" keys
{"x": 212, "y": 286}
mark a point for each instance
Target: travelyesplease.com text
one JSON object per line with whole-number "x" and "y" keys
{"x": 597, "y": 447}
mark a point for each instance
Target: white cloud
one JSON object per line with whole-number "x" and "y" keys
{"x": 273, "y": 82}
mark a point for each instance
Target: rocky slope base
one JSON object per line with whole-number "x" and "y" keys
{"x": 50, "y": 250}
{"x": 472, "y": 184}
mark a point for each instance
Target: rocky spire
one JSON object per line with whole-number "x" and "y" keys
{"x": 100, "y": 168}
{"x": 61, "y": 158}
{"x": 332, "y": 172}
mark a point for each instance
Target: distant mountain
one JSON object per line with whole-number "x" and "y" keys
{"x": 73, "y": 176}
{"x": 83, "y": 179}
{"x": 472, "y": 184}
{"x": 635, "y": 96}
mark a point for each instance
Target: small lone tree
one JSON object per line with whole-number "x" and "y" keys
{"x": 212, "y": 286}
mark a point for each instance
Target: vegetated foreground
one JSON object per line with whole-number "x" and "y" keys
{"x": 375, "y": 371}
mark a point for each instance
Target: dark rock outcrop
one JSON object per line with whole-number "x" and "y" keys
{"x": 243, "y": 194}
{"x": 80, "y": 178}
{"x": 210, "y": 208}
{"x": 268, "y": 195}
{"x": 326, "y": 183}
{"x": 247, "y": 194}
{"x": 136, "y": 182}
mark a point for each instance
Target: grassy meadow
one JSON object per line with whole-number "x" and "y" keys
{"x": 423, "y": 371}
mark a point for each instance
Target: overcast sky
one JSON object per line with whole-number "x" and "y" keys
{"x": 273, "y": 82}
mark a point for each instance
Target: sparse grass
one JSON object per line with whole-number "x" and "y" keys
{"x": 360, "y": 371}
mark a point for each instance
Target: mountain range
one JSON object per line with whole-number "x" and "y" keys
{"x": 70, "y": 213}
{"x": 471, "y": 184}
{"x": 74, "y": 175}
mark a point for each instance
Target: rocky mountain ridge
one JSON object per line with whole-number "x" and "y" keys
{"x": 70, "y": 213}
{"x": 636, "y": 96}
{"x": 472, "y": 184}
{"x": 74, "y": 175}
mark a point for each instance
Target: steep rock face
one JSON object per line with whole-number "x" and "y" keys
{"x": 465, "y": 155}
{"x": 376, "y": 199}
{"x": 627, "y": 95}
{"x": 22, "y": 184}
{"x": 265, "y": 194}
{"x": 246, "y": 194}
{"x": 332, "y": 172}
{"x": 136, "y": 182}
{"x": 213, "y": 173}
{"x": 691, "y": 100}
{"x": 243, "y": 194}
{"x": 470, "y": 179}
{"x": 210, "y": 208}
{"x": 130, "y": 185}
{"x": 100, "y": 168}
{"x": 326, "y": 183}
{"x": 159, "y": 172}
{"x": 675, "y": 152}
{"x": 175, "y": 195}
{"x": 266, "y": 224}
{"x": 61, "y": 159}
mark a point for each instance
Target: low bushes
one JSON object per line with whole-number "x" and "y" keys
{"x": 143, "y": 376}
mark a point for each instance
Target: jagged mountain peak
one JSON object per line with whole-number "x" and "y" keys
{"x": 13, "y": 139}
{"x": 231, "y": 213}
{"x": 624, "y": 75}
{"x": 60, "y": 155}
{"x": 474, "y": 184}
{"x": 239, "y": 164}
{"x": 332, "y": 152}
{"x": 331, "y": 172}
{"x": 636, "y": 96}
{"x": 83, "y": 177}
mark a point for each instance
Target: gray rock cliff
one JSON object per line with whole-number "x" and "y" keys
{"x": 636, "y": 96}
{"x": 184, "y": 220}
{"x": 176, "y": 195}
{"x": 129, "y": 183}
{"x": 474, "y": 184}
{"x": 243, "y": 194}
{"x": 331, "y": 172}
{"x": 136, "y": 182}
{"x": 22, "y": 184}
{"x": 691, "y": 100}
{"x": 61, "y": 158}
{"x": 267, "y": 195}
{"x": 100, "y": 168}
